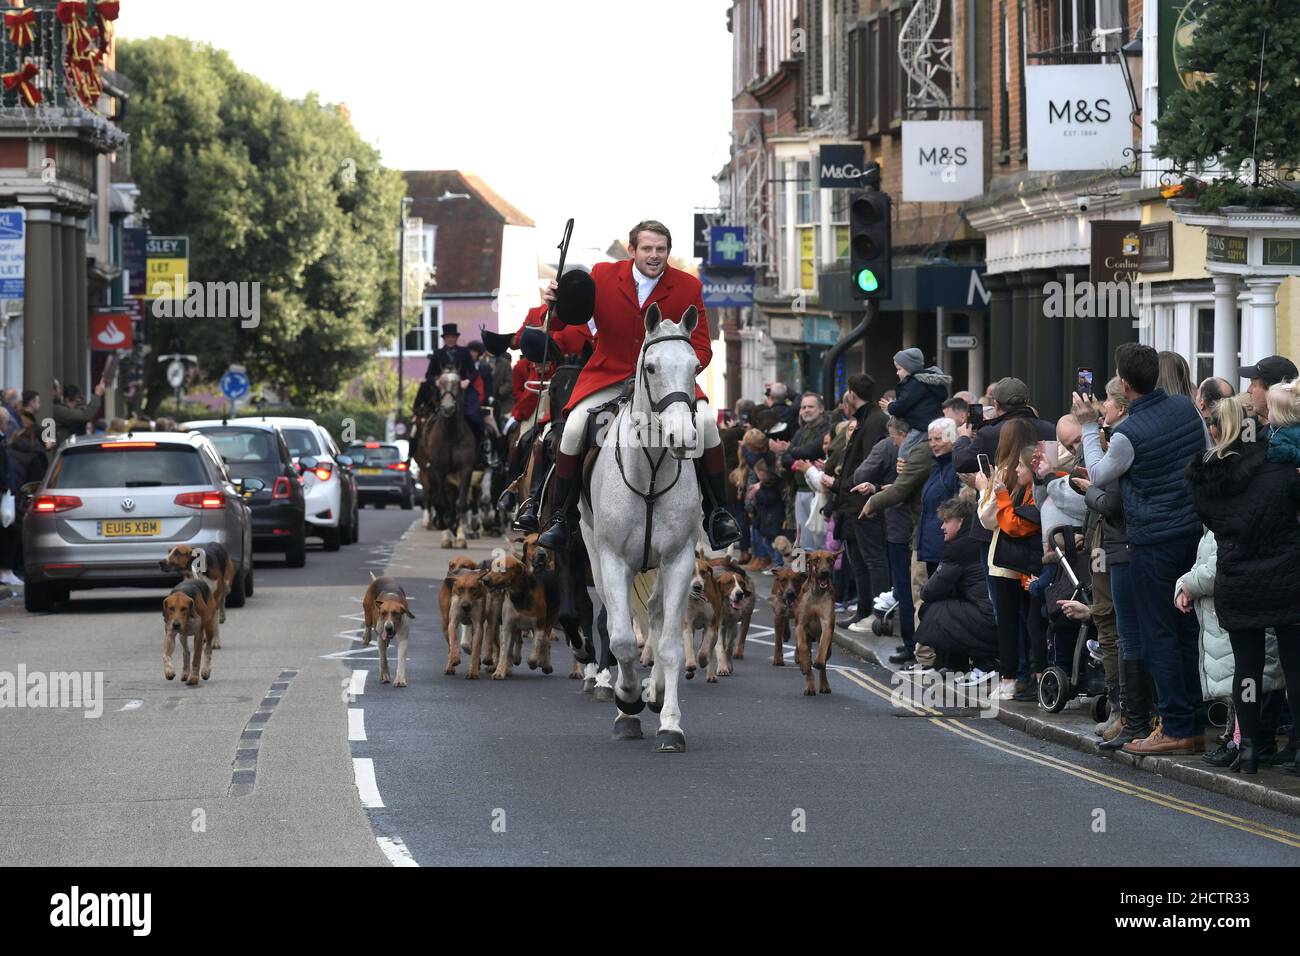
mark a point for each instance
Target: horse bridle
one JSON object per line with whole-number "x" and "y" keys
{"x": 656, "y": 407}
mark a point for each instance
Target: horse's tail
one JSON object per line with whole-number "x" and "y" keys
{"x": 643, "y": 586}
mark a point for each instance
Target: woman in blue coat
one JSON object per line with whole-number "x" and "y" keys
{"x": 939, "y": 487}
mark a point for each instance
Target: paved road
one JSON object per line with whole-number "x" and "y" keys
{"x": 524, "y": 771}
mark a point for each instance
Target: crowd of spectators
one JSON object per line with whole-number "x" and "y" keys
{"x": 952, "y": 516}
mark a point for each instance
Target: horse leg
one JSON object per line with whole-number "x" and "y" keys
{"x": 673, "y": 584}
{"x": 462, "y": 507}
{"x": 616, "y": 585}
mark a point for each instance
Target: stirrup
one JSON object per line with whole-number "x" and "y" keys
{"x": 526, "y": 519}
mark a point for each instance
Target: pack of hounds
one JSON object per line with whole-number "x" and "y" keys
{"x": 491, "y": 609}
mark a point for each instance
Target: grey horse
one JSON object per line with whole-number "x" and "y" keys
{"x": 643, "y": 451}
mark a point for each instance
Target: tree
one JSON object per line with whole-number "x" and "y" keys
{"x": 270, "y": 190}
{"x": 1216, "y": 121}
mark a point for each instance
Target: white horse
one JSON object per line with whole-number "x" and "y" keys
{"x": 641, "y": 471}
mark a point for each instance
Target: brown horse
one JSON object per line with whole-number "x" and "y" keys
{"x": 446, "y": 453}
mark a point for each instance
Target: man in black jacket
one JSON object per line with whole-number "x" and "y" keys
{"x": 868, "y": 534}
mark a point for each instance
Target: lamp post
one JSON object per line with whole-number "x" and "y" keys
{"x": 401, "y": 309}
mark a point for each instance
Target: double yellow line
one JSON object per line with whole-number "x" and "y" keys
{"x": 884, "y": 692}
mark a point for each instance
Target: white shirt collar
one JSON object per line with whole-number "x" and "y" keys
{"x": 644, "y": 284}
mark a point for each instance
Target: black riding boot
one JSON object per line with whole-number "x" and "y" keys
{"x": 527, "y": 519}
{"x": 568, "y": 484}
{"x": 719, "y": 526}
{"x": 1136, "y": 705}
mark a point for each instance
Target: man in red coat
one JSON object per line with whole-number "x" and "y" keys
{"x": 624, "y": 291}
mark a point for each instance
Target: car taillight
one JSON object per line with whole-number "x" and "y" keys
{"x": 323, "y": 473}
{"x": 53, "y": 504}
{"x": 398, "y": 466}
{"x": 117, "y": 445}
{"x": 202, "y": 499}
{"x": 372, "y": 444}
{"x": 282, "y": 488}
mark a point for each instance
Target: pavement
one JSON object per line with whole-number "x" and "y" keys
{"x": 295, "y": 754}
{"x": 1073, "y": 727}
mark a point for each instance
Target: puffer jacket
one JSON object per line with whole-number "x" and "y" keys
{"x": 900, "y": 501}
{"x": 1216, "y": 660}
{"x": 939, "y": 487}
{"x": 1284, "y": 444}
{"x": 1251, "y": 505}
{"x": 920, "y": 397}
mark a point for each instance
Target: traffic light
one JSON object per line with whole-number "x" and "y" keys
{"x": 869, "y": 268}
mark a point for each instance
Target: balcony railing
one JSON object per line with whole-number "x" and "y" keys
{"x": 51, "y": 56}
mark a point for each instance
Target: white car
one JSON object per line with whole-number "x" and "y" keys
{"x": 327, "y": 481}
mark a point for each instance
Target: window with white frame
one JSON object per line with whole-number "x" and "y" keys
{"x": 840, "y": 224}
{"x": 427, "y": 239}
{"x": 1203, "y": 365}
{"x": 783, "y": 272}
{"x": 422, "y": 337}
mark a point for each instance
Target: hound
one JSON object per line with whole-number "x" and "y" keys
{"x": 703, "y": 613}
{"x": 388, "y": 617}
{"x": 190, "y": 610}
{"x": 531, "y": 603}
{"x": 212, "y": 562}
{"x": 463, "y": 603}
{"x": 737, "y": 596}
{"x": 787, "y": 584}
{"x": 815, "y": 620}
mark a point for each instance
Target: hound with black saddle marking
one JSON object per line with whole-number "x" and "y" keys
{"x": 737, "y": 608}
{"x": 211, "y": 562}
{"x": 189, "y": 611}
{"x": 532, "y": 603}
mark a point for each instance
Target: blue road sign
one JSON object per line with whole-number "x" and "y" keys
{"x": 234, "y": 385}
{"x": 13, "y": 254}
{"x": 730, "y": 290}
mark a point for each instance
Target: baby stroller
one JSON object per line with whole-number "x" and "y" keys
{"x": 1074, "y": 670}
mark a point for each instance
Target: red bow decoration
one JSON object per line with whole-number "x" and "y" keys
{"x": 19, "y": 24}
{"x": 72, "y": 14}
{"x": 106, "y": 11}
{"x": 22, "y": 80}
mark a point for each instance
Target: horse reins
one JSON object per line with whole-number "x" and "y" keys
{"x": 656, "y": 408}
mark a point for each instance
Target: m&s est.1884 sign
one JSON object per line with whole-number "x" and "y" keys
{"x": 1078, "y": 116}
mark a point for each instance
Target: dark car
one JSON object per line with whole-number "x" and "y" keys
{"x": 382, "y": 474}
{"x": 256, "y": 449}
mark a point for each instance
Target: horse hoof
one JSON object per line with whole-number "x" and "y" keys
{"x": 670, "y": 742}
{"x": 627, "y": 728}
{"x": 631, "y": 708}
{"x": 603, "y": 695}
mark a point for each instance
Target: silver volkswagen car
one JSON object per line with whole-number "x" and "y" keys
{"x": 112, "y": 506}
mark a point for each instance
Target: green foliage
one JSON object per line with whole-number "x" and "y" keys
{"x": 271, "y": 190}
{"x": 1213, "y": 196}
{"x": 1216, "y": 120}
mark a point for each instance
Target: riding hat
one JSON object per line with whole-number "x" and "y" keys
{"x": 496, "y": 343}
{"x": 575, "y": 298}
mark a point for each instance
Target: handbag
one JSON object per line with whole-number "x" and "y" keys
{"x": 816, "y": 522}
{"x": 1022, "y": 555}
{"x": 7, "y": 509}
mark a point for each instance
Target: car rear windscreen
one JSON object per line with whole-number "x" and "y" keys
{"x": 302, "y": 441}
{"x": 243, "y": 445}
{"x": 383, "y": 455}
{"x": 98, "y": 466}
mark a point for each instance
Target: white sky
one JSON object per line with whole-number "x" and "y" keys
{"x": 608, "y": 111}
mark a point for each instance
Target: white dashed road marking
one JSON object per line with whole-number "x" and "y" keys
{"x": 358, "y": 682}
{"x": 363, "y": 769}
{"x": 356, "y": 723}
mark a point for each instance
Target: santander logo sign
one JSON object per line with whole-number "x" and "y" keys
{"x": 111, "y": 335}
{"x": 110, "y": 331}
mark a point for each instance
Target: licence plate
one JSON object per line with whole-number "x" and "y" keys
{"x": 370, "y": 471}
{"x": 130, "y": 528}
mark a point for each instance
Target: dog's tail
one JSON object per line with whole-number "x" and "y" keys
{"x": 373, "y": 575}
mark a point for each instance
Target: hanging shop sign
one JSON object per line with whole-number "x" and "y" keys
{"x": 943, "y": 160}
{"x": 1078, "y": 116}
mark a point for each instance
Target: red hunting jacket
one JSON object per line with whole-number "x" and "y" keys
{"x": 570, "y": 339}
{"x": 620, "y": 326}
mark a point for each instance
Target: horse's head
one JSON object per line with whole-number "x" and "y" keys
{"x": 666, "y": 379}
{"x": 450, "y": 395}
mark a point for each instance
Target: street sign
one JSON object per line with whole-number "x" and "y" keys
{"x": 176, "y": 373}
{"x": 961, "y": 343}
{"x": 234, "y": 384}
{"x": 110, "y": 330}
{"x": 728, "y": 290}
{"x": 167, "y": 264}
{"x": 841, "y": 167}
{"x": 13, "y": 253}
{"x": 727, "y": 246}
{"x": 134, "y": 260}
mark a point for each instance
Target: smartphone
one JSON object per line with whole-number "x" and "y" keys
{"x": 1050, "y": 452}
{"x": 1084, "y": 386}
{"x": 986, "y": 468}
{"x": 975, "y": 417}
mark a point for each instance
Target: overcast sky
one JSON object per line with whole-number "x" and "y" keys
{"x": 608, "y": 111}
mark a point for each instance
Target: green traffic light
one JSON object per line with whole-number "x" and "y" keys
{"x": 866, "y": 281}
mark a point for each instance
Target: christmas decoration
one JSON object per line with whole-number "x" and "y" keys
{"x": 22, "y": 81}
{"x": 19, "y": 25}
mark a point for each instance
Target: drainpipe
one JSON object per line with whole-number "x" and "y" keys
{"x": 856, "y": 335}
